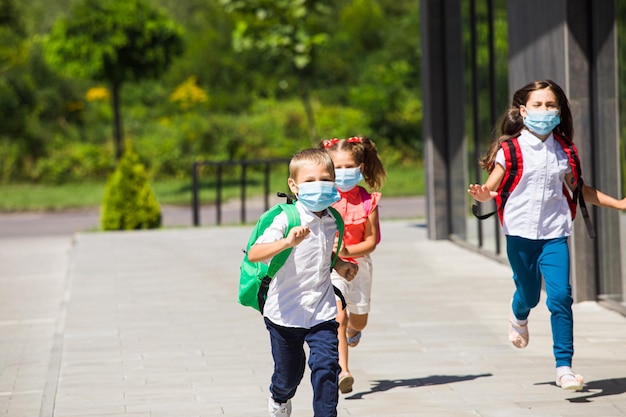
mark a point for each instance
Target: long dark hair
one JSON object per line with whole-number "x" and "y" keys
{"x": 511, "y": 122}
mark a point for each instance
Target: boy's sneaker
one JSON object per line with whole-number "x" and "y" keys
{"x": 278, "y": 409}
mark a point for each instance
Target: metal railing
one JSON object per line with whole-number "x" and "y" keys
{"x": 243, "y": 180}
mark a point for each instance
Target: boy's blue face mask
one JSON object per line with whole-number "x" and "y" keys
{"x": 347, "y": 178}
{"x": 542, "y": 122}
{"x": 317, "y": 195}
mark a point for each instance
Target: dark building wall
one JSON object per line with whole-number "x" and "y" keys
{"x": 444, "y": 141}
{"x": 573, "y": 43}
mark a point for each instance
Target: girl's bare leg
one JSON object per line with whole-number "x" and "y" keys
{"x": 356, "y": 323}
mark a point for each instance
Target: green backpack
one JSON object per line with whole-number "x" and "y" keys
{"x": 255, "y": 277}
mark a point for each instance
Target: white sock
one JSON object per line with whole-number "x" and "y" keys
{"x": 563, "y": 370}
{"x": 517, "y": 321}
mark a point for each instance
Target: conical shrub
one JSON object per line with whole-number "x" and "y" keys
{"x": 129, "y": 202}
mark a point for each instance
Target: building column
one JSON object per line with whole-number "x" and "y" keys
{"x": 443, "y": 117}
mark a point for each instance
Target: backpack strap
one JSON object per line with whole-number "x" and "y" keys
{"x": 277, "y": 262}
{"x": 366, "y": 198}
{"x": 577, "y": 182}
{"x": 512, "y": 175}
{"x": 340, "y": 227}
{"x": 293, "y": 220}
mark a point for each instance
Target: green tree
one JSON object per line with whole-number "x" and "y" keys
{"x": 285, "y": 30}
{"x": 114, "y": 41}
{"x": 17, "y": 92}
{"x": 16, "y": 98}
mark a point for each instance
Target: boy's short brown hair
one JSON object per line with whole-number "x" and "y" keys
{"x": 315, "y": 155}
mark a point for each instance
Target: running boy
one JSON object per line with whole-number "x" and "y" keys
{"x": 300, "y": 305}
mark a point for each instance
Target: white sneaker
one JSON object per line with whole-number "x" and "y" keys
{"x": 278, "y": 409}
{"x": 518, "y": 331}
{"x": 518, "y": 334}
{"x": 568, "y": 379}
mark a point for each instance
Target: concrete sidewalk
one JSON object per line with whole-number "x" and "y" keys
{"x": 146, "y": 324}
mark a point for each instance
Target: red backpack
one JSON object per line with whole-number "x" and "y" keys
{"x": 513, "y": 174}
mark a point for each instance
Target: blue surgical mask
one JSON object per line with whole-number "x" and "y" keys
{"x": 347, "y": 178}
{"x": 542, "y": 122}
{"x": 317, "y": 195}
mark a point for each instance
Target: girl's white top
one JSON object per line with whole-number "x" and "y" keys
{"x": 537, "y": 207}
{"x": 301, "y": 294}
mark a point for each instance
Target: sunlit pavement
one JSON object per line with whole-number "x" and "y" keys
{"x": 146, "y": 324}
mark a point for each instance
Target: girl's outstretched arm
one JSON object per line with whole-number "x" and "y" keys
{"x": 483, "y": 193}
{"x": 598, "y": 198}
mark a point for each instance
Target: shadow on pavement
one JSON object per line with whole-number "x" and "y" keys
{"x": 606, "y": 387}
{"x": 388, "y": 384}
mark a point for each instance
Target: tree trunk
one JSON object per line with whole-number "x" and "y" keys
{"x": 308, "y": 109}
{"x": 117, "y": 120}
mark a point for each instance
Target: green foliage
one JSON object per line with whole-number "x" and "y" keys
{"x": 129, "y": 202}
{"x": 33, "y": 101}
{"x": 282, "y": 28}
{"x": 390, "y": 107}
{"x": 361, "y": 74}
{"x": 114, "y": 41}
{"x": 271, "y": 129}
{"x": 286, "y": 30}
{"x": 74, "y": 163}
{"x": 10, "y": 18}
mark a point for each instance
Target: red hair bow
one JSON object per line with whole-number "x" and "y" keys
{"x": 330, "y": 143}
{"x": 354, "y": 139}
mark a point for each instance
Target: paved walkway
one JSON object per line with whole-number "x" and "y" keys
{"x": 146, "y": 324}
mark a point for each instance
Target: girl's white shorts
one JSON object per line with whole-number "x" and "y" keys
{"x": 357, "y": 292}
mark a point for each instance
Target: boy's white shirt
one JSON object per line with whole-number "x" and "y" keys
{"x": 301, "y": 294}
{"x": 537, "y": 207}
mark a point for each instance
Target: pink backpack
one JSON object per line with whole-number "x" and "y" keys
{"x": 367, "y": 205}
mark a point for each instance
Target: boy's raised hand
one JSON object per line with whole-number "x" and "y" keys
{"x": 297, "y": 235}
{"x": 347, "y": 270}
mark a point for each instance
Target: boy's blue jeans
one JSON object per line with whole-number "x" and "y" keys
{"x": 289, "y": 360}
{"x": 530, "y": 260}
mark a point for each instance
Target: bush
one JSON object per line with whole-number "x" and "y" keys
{"x": 74, "y": 162}
{"x": 129, "y": 202}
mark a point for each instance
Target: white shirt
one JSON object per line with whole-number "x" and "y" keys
{"x": 537, "y": 207}
{"x": 301, "y": 294}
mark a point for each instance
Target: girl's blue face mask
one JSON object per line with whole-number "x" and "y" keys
{"x": 317, "y": 195}
{"x": 542, "y": 122}
{"x": 347, "y": 178}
